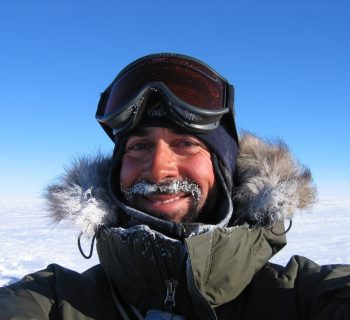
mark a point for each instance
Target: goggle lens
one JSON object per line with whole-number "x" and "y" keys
{"x": 190, "y": 81}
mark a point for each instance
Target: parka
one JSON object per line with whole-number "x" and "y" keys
{"x": 210, "y": 272}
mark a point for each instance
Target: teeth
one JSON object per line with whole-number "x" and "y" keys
{"x": 166, "y": 201}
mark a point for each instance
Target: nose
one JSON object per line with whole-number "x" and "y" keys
{"x": 162, "y": 163}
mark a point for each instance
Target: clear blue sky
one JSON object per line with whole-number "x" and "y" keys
{"x": 289, "y": 62}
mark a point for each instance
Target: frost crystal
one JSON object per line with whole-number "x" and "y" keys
{"x": 144, "y": 188}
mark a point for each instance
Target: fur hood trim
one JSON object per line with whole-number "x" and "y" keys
{"x": 271, "y": 183}
{"x": 271, "y": 186}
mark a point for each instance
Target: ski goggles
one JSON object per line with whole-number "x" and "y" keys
{"x": 194, "y": 96}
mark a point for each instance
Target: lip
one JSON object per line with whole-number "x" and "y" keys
{"x": 165, "y": 197}
{"x": 165, "y": 203}
{"x": 165, "y": 200}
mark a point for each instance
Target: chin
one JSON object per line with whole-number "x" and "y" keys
{"x": 186, "y": 214}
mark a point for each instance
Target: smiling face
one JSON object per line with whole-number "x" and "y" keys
{"x": 174, "y": 172}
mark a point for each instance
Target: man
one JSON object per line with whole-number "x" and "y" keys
{"x": 185, "y": 215}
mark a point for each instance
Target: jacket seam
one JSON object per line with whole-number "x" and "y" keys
{"x": 42, "y": 308}
{"x": 252, "y": 249}
{"x": 210, "y": 259}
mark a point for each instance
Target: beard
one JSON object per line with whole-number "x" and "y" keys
{"x": 144, "y": 188}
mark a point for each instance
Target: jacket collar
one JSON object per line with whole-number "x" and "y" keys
{"x": 141, "y": 263}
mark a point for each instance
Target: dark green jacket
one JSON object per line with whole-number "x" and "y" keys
{"x": 301, "y": 290}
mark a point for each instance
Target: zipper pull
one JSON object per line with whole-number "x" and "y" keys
{"x": 169, "y": 302}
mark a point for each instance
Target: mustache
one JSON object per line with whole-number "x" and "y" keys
{"x": 145, "y": 188}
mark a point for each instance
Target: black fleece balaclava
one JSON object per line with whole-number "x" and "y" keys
{"x": 220, "y": 141}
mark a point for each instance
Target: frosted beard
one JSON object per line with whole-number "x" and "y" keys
{"x": 144, "y": 188}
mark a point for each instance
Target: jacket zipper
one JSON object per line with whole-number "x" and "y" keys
{"x": 169, "y": 302}
{"x": 170, "y": 283}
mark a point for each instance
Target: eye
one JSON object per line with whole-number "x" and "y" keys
{"x": 138, "y": 146}
{"x": 187, "y": 144}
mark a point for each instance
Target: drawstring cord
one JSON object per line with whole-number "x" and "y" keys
{"x": 284, "y": 232}
{"x": 91, "y": 246}
{"x": 133, "y": 311}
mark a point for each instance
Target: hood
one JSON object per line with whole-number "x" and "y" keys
{"x": 142, "y": 262}
{"x": 271, "y": 185}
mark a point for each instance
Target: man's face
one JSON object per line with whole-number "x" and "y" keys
{"x": 161, "y": 156}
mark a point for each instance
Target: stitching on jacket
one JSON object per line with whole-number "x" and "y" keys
{"x": 43, "y": 309}
{"x": 210, "y": 258}
{"x": 252, "y": 248}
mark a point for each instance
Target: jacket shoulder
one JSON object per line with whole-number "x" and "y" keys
{"x": 59, "y": 293}
{"x": 302, "y": 289}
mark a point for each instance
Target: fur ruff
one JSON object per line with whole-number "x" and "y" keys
{"x": 271, "y": 186}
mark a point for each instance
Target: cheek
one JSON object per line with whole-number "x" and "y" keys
{"x": 130, "y": 170}
{"x": 200, "y": 170}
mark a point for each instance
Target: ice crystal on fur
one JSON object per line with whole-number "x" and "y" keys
{"x": 81, "y": 194}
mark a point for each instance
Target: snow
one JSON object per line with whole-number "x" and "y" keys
{"x": 321, "y": 234}
{"x": 29, "y": 241}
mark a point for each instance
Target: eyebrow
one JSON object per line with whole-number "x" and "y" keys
{"x": 141, "y": 132}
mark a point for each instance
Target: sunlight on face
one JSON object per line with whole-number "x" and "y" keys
{"x": 161, "y": 157}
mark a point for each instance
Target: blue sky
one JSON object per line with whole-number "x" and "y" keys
{"x": 288, "y": 60}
